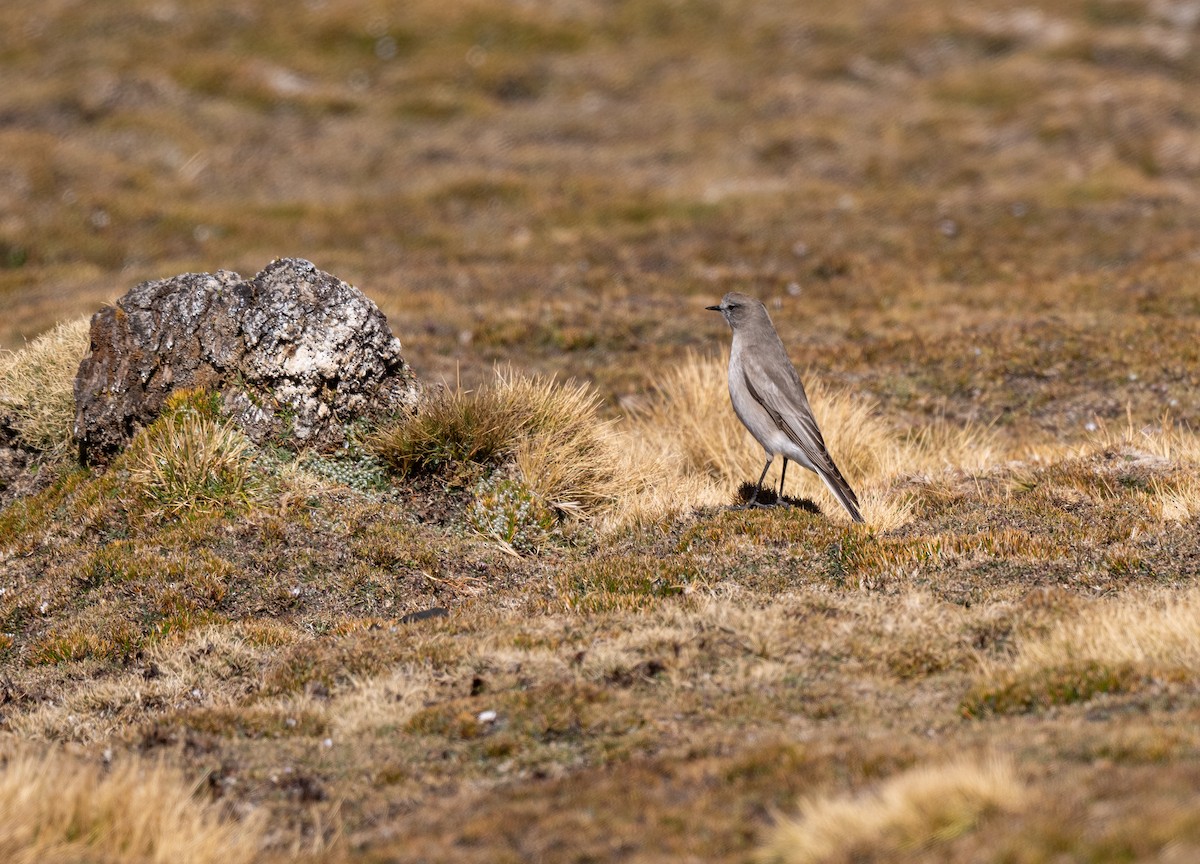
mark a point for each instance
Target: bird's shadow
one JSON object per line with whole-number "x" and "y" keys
{"x": 769, "y": 498}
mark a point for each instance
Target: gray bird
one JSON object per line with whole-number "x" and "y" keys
{"x": 769, "y": 399}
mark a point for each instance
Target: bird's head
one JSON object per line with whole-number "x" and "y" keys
{"x": 738, "y": 309}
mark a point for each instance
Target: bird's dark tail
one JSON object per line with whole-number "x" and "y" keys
{"x": 841, "y": 490}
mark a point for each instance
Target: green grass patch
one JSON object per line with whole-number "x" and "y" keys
{"x": 333, "y": 662}
{"x": 1047, "y": 687}
{"x": 550, "y": 712}
{"x": 626, "y": 582}
{"x": 251, "y": 721}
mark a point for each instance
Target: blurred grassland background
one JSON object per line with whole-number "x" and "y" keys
{"x": 976, "y": 227}
{"x": 982, "y": 210}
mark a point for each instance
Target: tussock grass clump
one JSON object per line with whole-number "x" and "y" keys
{"x": 190, "y": 460}
{"x": 453, "y": 426}
{"x": 563, "y": 452}
{"x": 692, "y": 416}
{"x": 1111, "y": 647}
{"x": 37, "y": 387}
{"x": 920, "y": 807}
{"x": 570, "y": 458}
{"x": 57, "y": 808}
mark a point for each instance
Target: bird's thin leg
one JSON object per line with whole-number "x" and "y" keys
{"x": 753, "y": 502}
{"x": 782, "y": 475}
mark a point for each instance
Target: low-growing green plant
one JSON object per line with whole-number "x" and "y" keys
{"x": 507, "y": 510}
{"x": 625, "y": 582}
{"x": 1037, "y": 689}
{"x": 363, "y": 472}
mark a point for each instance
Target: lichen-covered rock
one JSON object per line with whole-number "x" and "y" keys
{"x": 295, "y": 353}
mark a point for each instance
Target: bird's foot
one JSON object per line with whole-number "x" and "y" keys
{"x": 749, "y": 495}
{"x": 755, "y": 505}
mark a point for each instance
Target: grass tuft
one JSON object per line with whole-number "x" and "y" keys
{"x": 1178, "y": 504}
{"x": 562, "y": 451}
{"x": 455, "y": 426}
{"x": 1111, "y": 648}
{"x": 569, "y": 459}
{"x": 915, "y": 809}
{"x": 190, "y": 461}
{"x": 37, "y": 388}
{"x": 57, "y": 808}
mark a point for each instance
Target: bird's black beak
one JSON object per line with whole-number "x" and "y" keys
{"x": 713, "y": 308}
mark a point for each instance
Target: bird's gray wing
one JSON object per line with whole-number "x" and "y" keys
{"x": 773, "y": 383}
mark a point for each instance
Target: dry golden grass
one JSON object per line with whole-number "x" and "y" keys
{"x": 689, "y": 426}
{"x": 1157, "y": 633}
{"x": 382, "y": 705}
{"x": 690, "y": 416}
{"x": 1164, "y": 444}
{"x": 1113, "y": 645}
{"x": 207, "y": 653}
{"x": 1166, "y": 439}
{"x": 920, "y": 807}
{"x": 569, "y": 459}
{"x": 552, "y": 433}
{"x": 1178, "y": 504}
{"x": 58, "y": 808}
{"x": 655, "y": 485}
{"x": 36, "y": 387}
